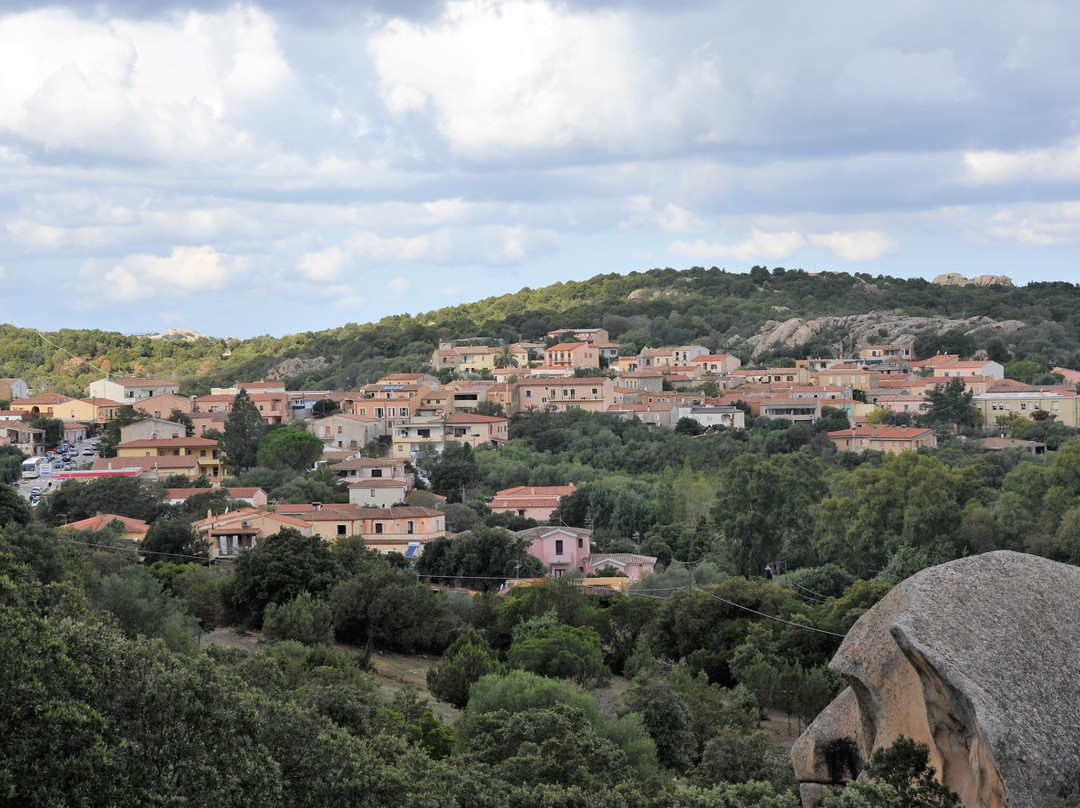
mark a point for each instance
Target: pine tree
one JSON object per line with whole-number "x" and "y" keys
{"x": 244, "y": 429}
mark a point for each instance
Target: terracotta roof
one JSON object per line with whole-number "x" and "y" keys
{"x": 540, "y": 531}
{"x": 379, "y": 482}
{"x": 883, "y": 432}
{"x": 103, "y": 520}
{"x": 157, "y": 443}
{"x": 234, "y": 493}
{"x": 367, "y": 463}
{"x": 147, "y": 463}
{"x": 619, "y": 558}
{"x": 44, "y": 398}
{"x": 473, "y": 418}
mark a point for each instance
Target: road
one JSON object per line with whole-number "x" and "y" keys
{"x": 46, "y": 483}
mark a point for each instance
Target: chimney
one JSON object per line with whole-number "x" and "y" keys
{"x": 316, "y": 506}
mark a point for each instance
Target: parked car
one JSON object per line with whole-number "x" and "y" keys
{"x": 35, "y": 491}
{"x": 88, "y": 452}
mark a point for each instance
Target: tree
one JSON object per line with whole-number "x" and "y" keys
{"x": 467, "y": 659}
{"x": 560, "y": 652}
{"x": 53, "y": 427}
{"x": 181, "y": 417}
{"x": 279, "y": 568}
{"x": 324, "y": 407}
{"x": 303, "y": 619}
{"x": 667, "y": 718}
{"x": 688, "y": 426}
{"x": 905, "y": 767}
{"x": 14, "y": 510}
{"x": 244, "y": 429}
{"x": 504, "y": 357}
{"x": 949, "y": 404}
{"x": 124, "y": 496}
{"x": 172, "y": 540}
{"x": 483, "y": 558}
{"x": 288, "y": 447}
{"x": 493, "y": 408}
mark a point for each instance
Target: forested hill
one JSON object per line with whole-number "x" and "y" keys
{"x": 719, "y": 309}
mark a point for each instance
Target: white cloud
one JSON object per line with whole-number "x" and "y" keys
{"x": 324, "y": 265}
{"x": 1047, "y": 225}
{"x": 856, "y": 245}
{"x": 502, "y": 76}
{"x": 1061, "y": 162}
{"x": 399, "y": 287}
{"x": 671, "y": 219}
{"x": 114, "y": 87}
{"x": 185, "y": 271}
{"x": 758, "y": 246}
{"x": 486, "y": 244}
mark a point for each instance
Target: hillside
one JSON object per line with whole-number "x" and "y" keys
{"x": 765, "y": 314}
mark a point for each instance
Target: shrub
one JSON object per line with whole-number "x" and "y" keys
{"x": 303, "y": 619}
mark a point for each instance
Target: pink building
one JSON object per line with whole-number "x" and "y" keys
{"x": 565, "y": 550}
{"x": 531, "y": 501}
{"x": 561, "y": 549}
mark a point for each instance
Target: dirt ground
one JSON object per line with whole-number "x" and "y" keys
{"x": 396, "y": 671}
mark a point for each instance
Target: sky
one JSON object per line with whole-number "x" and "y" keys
{"x": 275, "y": 167}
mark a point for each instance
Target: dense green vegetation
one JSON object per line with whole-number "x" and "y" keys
{"x": 109, "y": 700}
{"x": 662, "y": 306}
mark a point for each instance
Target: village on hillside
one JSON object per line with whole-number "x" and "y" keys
{"x": 372, "y": 437}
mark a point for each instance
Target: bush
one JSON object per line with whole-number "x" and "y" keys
{"x": 303, "y": 619}
{"x": 465, "y": 661}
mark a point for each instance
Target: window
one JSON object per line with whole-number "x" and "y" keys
{"x": 558, "y": 547}
{"x": 409, "y": 527}
{"x": 557, "y": 573}
{"x": 372, "y": 491}
{"x": 423, "y": 433}
{"x": 403, "y": 412}
{"x": 378, "y": 527}
{"x": 580, "y": 543}
{"x": 376, "y": 472}
{"x": 341, "y": 530}
{"x": 378, "y": 412}
{"x": 528, "y": 394}
{"x": 594, "y": 391}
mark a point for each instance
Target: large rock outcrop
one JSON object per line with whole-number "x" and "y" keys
{"x": 978, "y": 658}
{"x": 956, "y": 279}
{"x": 846, "y": 335}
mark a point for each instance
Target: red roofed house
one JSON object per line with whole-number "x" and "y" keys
{"x": 346, "y": 431}
{"x": 964, "y": 369}
{"x": 880, "y": 438}
{"x": 572, "y": 355}
{"x": 367, "y": 468}
{"x": 230, "y": 533}
{"x": 477, "y": 430}
{"x": 405, "y": 530}
{"x": 376, "y": 493}
{"x": 532, "y": 502}
{"x": 568, "y": 549}
{"x": 255, "y": 497}
{"x": 132, "y": 529}
{"x": 204, "y": 450}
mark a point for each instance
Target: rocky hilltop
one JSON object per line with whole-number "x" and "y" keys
{"x": 845, "y": 336}
{"x": 956, "y": 279}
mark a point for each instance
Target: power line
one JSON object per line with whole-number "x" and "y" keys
{"x": 134, "y": 550}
